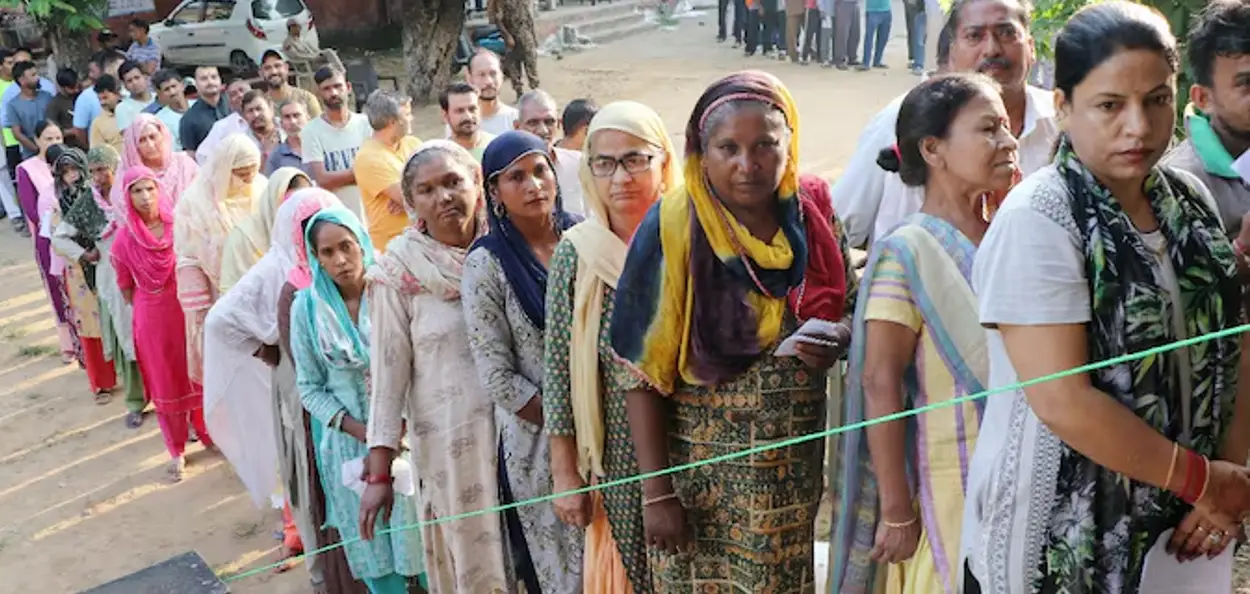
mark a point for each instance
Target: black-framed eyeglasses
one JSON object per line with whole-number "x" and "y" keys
{"x": 634, "y": 163}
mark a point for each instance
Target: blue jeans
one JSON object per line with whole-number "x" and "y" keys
{"x": 918, "y": 40}
{"x": 876, "y": 33}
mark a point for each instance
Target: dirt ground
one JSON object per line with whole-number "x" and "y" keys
{"x": 83, "y": 500}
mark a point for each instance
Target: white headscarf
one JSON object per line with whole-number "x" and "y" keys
{"x": 237, "y": 385}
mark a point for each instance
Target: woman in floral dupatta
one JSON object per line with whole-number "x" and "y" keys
{"x": 148, "y": 142}
{"x": 423, "y": 372}
{"x": 143, "y": 255}
{"x": 627, "y": 165}
{"x": 222, "y": 196}
{"x": 701, "y": 306}
{"x": 504, "y": 289}
{"x": 900, "y": 485}
{"x": 1097, "y": 256}
{"x": 330, "y": 333}
{"x": 35, "y": 185}
{"x": 78, "y": 223}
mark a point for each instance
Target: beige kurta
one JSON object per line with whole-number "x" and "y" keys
{"x": 423, "y": 371}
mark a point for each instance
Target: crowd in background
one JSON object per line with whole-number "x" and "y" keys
{"x": 377, "y": 331}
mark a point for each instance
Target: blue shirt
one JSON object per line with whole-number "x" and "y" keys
{"x": 86, "y": 108}
{"x": 45, "y": 85}
{"x": 148, "y": 52}
{"x": 876, "y": 5}
{"x": 283, "y": 156}
{"x": 26, "y": 114}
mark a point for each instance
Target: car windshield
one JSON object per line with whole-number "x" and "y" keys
{"x": 272, "y": 10}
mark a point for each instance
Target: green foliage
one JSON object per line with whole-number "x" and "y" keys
{"x": 1049, "y": 17}
{"x": 67, "y": 15}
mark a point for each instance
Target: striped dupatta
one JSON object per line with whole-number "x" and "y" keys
{"x": 937, "y": 268}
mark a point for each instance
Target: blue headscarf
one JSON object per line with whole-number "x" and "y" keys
{"x": 340, "y": 343}
{"x": 524, "y": 271}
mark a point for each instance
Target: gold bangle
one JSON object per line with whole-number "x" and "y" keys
{"x": 1176, "y": 449}
{"x": 913, "y": 520}
{"x": 660, "y": 499}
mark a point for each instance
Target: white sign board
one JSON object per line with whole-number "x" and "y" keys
{"x": 124, "y": 7}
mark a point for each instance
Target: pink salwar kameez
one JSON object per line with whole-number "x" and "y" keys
{"x": 145, "y": 270}
{"x": 34, "y": 178}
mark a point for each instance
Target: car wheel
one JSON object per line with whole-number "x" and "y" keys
{"x": 241, "y": 64}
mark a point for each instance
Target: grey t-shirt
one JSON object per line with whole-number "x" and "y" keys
{"x": 26, "y": 113}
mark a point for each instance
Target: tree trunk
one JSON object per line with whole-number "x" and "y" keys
{"x": 72, "y": 50}
{"x": 431, "y": 32}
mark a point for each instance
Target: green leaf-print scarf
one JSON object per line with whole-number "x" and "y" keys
{"x": 1102, "y": 523}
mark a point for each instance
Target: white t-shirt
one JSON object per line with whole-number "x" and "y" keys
{"x": 336, "y": 149}
{"x": 1029, "y": 270}
{"x": 568, "y": 167}
{"x": 173, "y": 121}
{"x": 129, "y": 109}
{"x": 870, "y": 201}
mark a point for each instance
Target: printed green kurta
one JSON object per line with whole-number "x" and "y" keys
{"x": 623, "y": 503}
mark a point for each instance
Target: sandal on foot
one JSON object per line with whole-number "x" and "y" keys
{"x": 103, "y": 397}
{"x": 134, "y": 420}
{"x": 176, "y": 469}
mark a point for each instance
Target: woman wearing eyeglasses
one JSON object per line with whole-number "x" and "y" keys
{"x": 628, "y": 164}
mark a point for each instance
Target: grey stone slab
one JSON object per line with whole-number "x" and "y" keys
{"x": 187, "y": 573}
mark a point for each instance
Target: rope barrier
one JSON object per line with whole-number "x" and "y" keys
{"x": 1088, "y": 367}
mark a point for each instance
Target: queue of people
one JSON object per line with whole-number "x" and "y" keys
{"x": 566, "y": 300}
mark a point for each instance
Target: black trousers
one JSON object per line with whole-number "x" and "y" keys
{"x": 739, "y": 23}
{"x": 774, "y": 26}
{"x": 811, "y": 34}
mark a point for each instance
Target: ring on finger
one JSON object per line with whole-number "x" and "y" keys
{"x": 1215, "y": 537}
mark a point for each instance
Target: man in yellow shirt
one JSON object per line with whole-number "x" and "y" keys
{"x": 104, "y": 128}
{"x": 379, "y": 165}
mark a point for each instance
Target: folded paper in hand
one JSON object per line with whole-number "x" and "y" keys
{"x": 813, "y": 331}
{"x": 1164, "y": 574}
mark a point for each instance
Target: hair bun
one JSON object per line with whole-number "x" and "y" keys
{"x": 888, "y": 159}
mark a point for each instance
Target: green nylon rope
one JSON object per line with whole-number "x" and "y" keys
{"x": 786, "y": 443}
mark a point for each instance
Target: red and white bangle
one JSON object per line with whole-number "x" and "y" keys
{"x": 379, "y": 479}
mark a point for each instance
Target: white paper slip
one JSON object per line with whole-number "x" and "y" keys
{"x": 1242, "y": 166}
{"x": 1164, "y": 574}
{"x": 813, "y": 331}
{"x": 401, "y": 471}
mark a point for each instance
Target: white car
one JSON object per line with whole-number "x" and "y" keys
{"x": 228, "y": 32}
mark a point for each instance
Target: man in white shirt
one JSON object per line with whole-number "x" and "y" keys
{"x": 988, "y": 36}
{"x": 141, "y": 96}
{"x": 173, "y": 96}
{"x": 486, "y": 75}
{"x": 331, "y": 141}
{"x": 231, "y": 124}
{"x": 538, "y": 115}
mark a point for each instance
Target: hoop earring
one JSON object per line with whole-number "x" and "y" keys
{"x": 497, "y": 208}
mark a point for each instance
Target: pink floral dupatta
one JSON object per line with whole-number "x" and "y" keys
{"x": 178, "y": 168}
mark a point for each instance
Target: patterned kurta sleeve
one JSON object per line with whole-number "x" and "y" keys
{"x": 195, "y": 294}
{"x": 889, "y": 293}
{"x": 391, "y": 365}
{"x": 484, "y": 292}
{"x": 311, "y": 378}
{"x": 557, "y": 396}
{"x": 848, "y": 262}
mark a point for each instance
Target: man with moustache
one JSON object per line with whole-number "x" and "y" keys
{"x": 538, "y": 115}
{"x": 1218, "y": 117}
{"x": 234, "y": 123}
{"x": 987, "y": 36}
{"x": 459, "y": 103}
{"x": 486, "y": 75}
{"x": 276, "y": 73}
{"x": 380, "y": 164}
{"x": 292, "y": 116}
{"x": 332, "y": 140}
{"x": 262, "y": 126}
